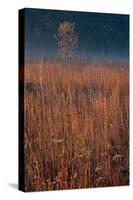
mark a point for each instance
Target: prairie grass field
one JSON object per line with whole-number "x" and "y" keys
{"x": 76, "y": 126}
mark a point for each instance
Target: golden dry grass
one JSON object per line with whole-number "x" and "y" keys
{"x": 76, "y": 126}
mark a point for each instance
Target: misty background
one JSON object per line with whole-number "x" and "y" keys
{"x": 100, "y": 36}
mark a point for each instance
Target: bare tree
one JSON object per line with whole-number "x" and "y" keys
{"x": 66, "y": 41}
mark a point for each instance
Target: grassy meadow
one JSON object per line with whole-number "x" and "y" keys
{"x": 76, "y": 126}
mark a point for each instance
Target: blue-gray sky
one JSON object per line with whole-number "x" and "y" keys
{"x": 100, "y": 35}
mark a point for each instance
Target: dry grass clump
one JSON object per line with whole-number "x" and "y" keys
{"x": 76, "y": 126}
